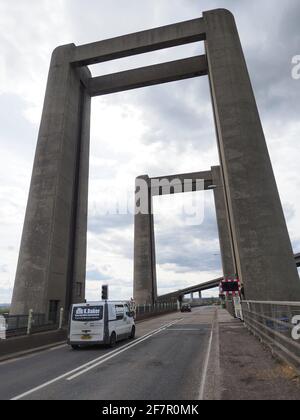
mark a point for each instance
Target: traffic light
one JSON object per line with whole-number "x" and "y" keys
{"x": 104, "y": 292}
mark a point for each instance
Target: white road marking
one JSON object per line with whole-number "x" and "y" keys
{"x": 184, "y": 329}
{"x": 205, "y": 369}
{"x": 58, "y": 347}
{"x": 92, "y": 362}
{"x": 111, "y": 356}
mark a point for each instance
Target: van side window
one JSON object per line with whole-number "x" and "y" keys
{"x": 119, "y": 312}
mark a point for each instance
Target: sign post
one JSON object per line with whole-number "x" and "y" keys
{"x": 106, "y": 320}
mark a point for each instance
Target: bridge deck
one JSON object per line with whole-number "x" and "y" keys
{"x": 174, "y": 349}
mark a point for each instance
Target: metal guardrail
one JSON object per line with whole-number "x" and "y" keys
{"x": 158, "y": 308}
{"x": 20, "y": 325}
{"x": 17, "y": 325}
{"x": 277, "y": 325}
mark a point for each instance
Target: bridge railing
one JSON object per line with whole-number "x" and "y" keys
{"x": 18, "y": 325}
{"x": 277, "y": 324}
{"x": 147, "y": 310}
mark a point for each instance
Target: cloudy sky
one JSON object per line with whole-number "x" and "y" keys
{"x": 157, "y": 131}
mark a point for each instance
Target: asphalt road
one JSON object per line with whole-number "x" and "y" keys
{"x": 167, "y": 361}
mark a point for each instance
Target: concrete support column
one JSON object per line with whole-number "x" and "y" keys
{"x": 225, "y": 235}
{"x": 145, "y": 285}
{"x": 262, "y": 245}
{"x": 77, "y": 287}
{"x": 53, "y": 243}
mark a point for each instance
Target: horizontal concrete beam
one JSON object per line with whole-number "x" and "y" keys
{"x": 190, "y": 182}
{"x": 140, "y": 42}
{"x": 148, "y": 76}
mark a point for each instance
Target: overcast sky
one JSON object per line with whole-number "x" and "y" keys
{"x": 157, "y": 131}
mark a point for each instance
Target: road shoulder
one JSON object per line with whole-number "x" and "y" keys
{"x": 248, "y": 369}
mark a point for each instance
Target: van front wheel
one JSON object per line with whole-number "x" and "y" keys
{"x": 113, "y": 340}
{"x": 132, "y": 334}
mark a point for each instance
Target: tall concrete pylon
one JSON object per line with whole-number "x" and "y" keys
{"x": 144, "y": 276}
{"x": 224, "y": 226}
{"x": 52, "y": 259}
{"x": 264, "y": 255}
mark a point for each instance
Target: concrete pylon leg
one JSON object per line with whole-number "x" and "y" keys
{"x": 226, "y": 244}
{"x": 54, "y": 234}
{"x": 77, "y": 287}
{"x": 262, "y": 245}
{"x": 145, "y": 286}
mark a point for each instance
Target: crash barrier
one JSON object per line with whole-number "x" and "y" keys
{"x": 148, "y": 310}
{"x": 20, "y": 325}
{"x": 277, "y": 324}
{"x": 18, "y": 345}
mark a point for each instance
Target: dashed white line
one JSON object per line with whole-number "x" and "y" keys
{"x": 94, "y": 363}
{"x": 111, "y": 356}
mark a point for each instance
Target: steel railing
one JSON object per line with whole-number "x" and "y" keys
{"x": 19, "y": 325}
{"x": 158, "y": 308}
{"x": 275, "y": 323}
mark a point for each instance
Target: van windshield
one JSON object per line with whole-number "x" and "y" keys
{"x": 85, "y": 314}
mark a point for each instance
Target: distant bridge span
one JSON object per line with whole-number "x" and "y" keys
{"x": 204, "y": 286}
{"x": 193, "y": 289}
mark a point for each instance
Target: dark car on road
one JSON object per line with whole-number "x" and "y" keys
{"x": 186, "y": 307}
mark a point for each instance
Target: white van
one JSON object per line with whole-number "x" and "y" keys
{"x": 104, "y": 322}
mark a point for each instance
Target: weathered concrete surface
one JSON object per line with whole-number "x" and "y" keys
{"x": 148, "y": 76}
{"x": 181, "y": 183}
{"x": 144, "y": 278}
{"x": 140, "y": 42}
{"x": 77, "y": 288}
{"x": 226, "y": 247}
{"x": 262, "y": 245}
{"x": 13, "y": 347}
{"x": 56, "y": 216}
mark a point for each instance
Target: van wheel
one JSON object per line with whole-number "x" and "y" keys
{"x": 113, "y": 340}
{"x": 132, "y": 334}
{"x": 75, "y": 347}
